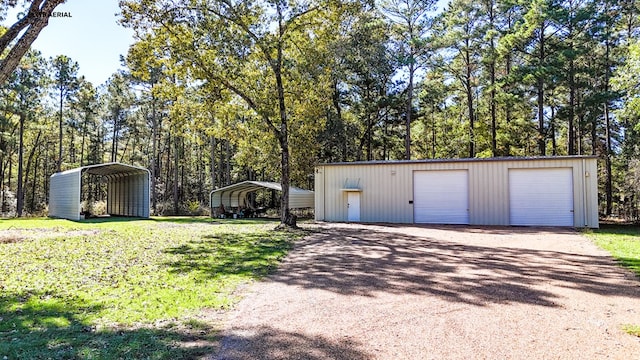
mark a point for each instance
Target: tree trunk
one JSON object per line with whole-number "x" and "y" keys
{"x": 540, "y": 94}
{"x": 227, "y": 159}
{"x": 72, "y": 145}
{"x": 45, "y": 182}
{"x": 9, "y": 175}
{"x": 494, "y": 131}
{"x": 507, "y": 115}
{"x": 28, "y": 167}
{"x": 213, "y": 162}
{"x": 20, "y": 192}
{"x": 492, "y": 78}
{"x": 286, "y": 218}
{"x": 433, "y": 132}
{"x": 607, "y": 157}
{"x": 34, "y": 182}
{"x": 338, "y": 108}
{"x": 572, "y": 103}
{"x": 407, "y": 139}
{"x": 221, "y": 164}
{"x": 60, "y": 133}
{"x": 114, "y": 141}
{"x": 84, "y": 135}
{"x": 36, "y": 19}
{"x": 469, "y": 91}
{"x": 176, "y": 159}
{"x": 154, "y": 155}
{"x": 369, "y": 126}
{"x": 167, "y": 178}
{"x": 554, "y": 145}
{"x": 609, "y": 147}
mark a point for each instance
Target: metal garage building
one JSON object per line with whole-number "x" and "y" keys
{"x": 127, "y": 190}
{"x": 547, "y": 191}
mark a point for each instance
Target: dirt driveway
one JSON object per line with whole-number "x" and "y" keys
{"x": 411, "y": 292}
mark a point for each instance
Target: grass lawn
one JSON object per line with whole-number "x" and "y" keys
{"x": 623, "y": 242}
{"x": 125, "y": 288}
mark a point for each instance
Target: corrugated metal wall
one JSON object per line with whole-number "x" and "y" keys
{"x": 128, "y": 195}
{"x": 301, "y": 200}
{"x": 387, "y": 188}
{"x": 64, "y": 195}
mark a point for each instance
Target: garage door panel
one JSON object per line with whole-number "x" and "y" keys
{"x": 441, "y": 197}
{"x": 541, "y": 197}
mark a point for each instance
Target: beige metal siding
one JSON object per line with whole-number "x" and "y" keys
{"x": 387, "y": 189}
{"x": 589, "y": 209}
{"x": 319, "y": 195}
{"x": 301, "y": 200}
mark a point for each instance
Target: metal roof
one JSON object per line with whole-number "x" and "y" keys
{"x": 112, "y": 168}
{"x": 506, "y": 158}
{"x": 235, "y": 195}
{"x": 249, "y": 186}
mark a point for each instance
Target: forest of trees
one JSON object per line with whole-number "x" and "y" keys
{"x": 220, "y": 91}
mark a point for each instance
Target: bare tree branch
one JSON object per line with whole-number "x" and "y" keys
{"x": 36, "y": 19}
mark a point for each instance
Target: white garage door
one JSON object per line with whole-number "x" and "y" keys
{"x": 441, "y": 197}
{"x": 541, "y": 197}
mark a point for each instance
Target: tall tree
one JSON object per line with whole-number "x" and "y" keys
{"x": 86, "y": 108}
{"x": 463, "y": 30}
{"x": 411, "y": 22}
{"x": 534, "y": 38}
{"x": 367, "y": 71}
{"x": 65, "y": 77}
{"x": 28, "y": 83}
{"x": 120, "y": 99}
{"x": 254, "y": 50}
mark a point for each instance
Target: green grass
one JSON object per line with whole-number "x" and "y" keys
{"x": 632, "y": 330}
{"x": 125, "y": 288}
{"x": 622, "y": 241}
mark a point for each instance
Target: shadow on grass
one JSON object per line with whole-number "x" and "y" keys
{"x": 623, "y": 241}
{"x": 109, "y": 219}
{"x": 631, "y": 263}
{"x": 248, "y": 254}
{"x": 267, "y": 343}
{"x": 619, "y": 229}
{"x": 182, "y": 220}
{"x": 43, "y": 326}
{"x": 365, "y": 261}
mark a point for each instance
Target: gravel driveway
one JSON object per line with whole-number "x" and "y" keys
{"x": 413, "y": 292}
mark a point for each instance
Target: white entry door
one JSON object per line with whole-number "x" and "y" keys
{"x": 353, "y": 206}
{"x": 541, "y": 197}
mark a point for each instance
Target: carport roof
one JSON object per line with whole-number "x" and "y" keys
{"x": 249, "y": 186}
{"x": 113, "y": 168}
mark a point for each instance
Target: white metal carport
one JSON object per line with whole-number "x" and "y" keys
{"x": 128, "y": 190}
{"x": 236, "y": 195}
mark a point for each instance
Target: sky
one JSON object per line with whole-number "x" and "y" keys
{"x": 91, "y": 37}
